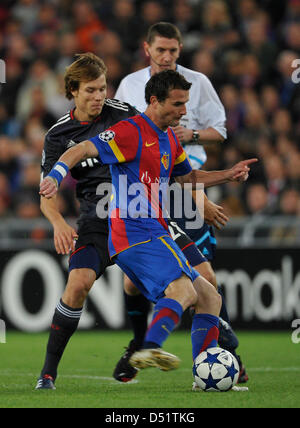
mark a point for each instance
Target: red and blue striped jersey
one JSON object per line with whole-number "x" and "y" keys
{"x": 142, "y": 160}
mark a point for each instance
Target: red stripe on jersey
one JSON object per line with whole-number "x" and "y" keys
{"x": 118, "y": 231}
{"x": 174, "y": 147}
{"x": 126, "y": 138}
{"x": 150, "y": 165}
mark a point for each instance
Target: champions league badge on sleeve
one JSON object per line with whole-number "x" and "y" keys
{"x": 107, "y": 136}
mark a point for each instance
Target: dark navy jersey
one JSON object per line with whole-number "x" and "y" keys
{"x": 67, "y": 132}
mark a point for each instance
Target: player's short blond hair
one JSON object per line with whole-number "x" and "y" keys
{"x": 87, "y": 67}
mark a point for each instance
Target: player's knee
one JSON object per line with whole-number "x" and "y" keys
{"x": 79, "y": 284}
{"x": 129, "y": 287}
{"x": 183, "y": 291}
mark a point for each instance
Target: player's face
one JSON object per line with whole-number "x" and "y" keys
{"x": 163, "y": 53}
{"x": 89, "y": 98}
{"x": 173, "y": 108}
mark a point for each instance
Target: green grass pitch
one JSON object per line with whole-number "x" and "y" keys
{"x": 85, "y": 374}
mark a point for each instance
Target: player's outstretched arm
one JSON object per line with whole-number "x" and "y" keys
{"x": 78, "y": 153}
{"x": 238, "y": 172}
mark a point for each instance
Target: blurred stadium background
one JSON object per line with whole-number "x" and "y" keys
{"x": 247, "y": 48}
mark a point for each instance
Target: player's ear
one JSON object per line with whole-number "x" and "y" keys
{"x": 146, "y": 49}
{"x": 153, "y": 100}
{"x": 74, "y": 92}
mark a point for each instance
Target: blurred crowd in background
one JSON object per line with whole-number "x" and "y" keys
{"x": 245, "y": 47}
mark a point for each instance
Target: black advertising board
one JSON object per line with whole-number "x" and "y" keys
{"x": 262, "y": 289}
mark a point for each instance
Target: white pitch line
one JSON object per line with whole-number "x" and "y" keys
{"x": 34, "y": 375}
{"x": 273, "y": 369}
{"x": 10, "y": 372}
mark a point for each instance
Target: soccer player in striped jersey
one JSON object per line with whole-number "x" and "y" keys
{"x": 141, "y": 245}
{"x": 203, "y": 123}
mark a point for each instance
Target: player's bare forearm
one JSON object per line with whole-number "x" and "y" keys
{"x": 78, "y": 153}
{"x": 207, "y": 178}
{"x": 210, "y": 135}
{"x": 238, "y": 172}
{"x": 50, "y": 209}
{"x": 206, "y": 136}
{"x": 64, "y": 234}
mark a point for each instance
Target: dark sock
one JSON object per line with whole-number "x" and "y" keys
{"x": 138, "y": 308}
{"x": 223, "y": 313}
{"x": 64, "y": 324}
{"x": 227, "y": 338}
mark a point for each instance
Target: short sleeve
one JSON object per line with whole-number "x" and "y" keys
{"x": 118, "y": 144}
{"x": 210, "y": 111}
{"x": 182, "y": 165}
{"x": 53, "y": 149}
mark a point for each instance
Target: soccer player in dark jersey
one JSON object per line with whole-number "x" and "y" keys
{"x": 141, "y": 245}
{"x": 85, "y": 82}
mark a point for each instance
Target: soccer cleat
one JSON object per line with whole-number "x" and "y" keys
{"x": 45, "y": 382}
{"x": 154, "y": 358}
{"x": 243, "y": 376}
{"x": 227, "y": 337}
{"x": 124, "y": 372}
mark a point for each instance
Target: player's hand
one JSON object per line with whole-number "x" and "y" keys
{"x": 64, "y": 237}
{"x": 48, "y": 187}
{"x": 183, "y": 134}
{"x": 240, "y": 171}
{"x": 214, "y": 215}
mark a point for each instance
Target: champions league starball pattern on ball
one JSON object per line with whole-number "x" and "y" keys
{"x": 216, "y": 370}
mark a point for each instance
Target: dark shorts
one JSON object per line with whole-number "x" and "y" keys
{"x": 204, "y": 238}
{"x": 187, "y": 246}
{"x": 91, "y": 252}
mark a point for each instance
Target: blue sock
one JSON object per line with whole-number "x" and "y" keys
{"x": 205, "y": 333}
{"x": 167, "y": 314}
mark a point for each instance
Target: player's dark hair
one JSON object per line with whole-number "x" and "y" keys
{"x": 162, "y": 83}
{"x": 86, "y": 68}
{"x": 163, "y": 29}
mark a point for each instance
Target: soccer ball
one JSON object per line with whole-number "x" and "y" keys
{"x": 216, "y": 370}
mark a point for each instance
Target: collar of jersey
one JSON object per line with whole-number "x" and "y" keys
{"x": 153, "y": 126}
